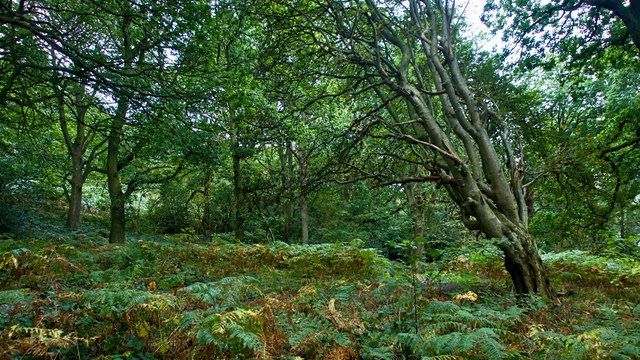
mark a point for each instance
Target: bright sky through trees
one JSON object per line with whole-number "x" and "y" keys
{"x": 472, "y": 11}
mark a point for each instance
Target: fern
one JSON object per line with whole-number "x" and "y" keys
{"x": 229, "y": 291}
{"x": 239, "y": 328}
{"x": 35, "y": 341}
{"x": 13, "y": 297}
{"x": 379, "y": 353}
{"x": 441, "y": 307}
{"x": 12, "y": 259}
{"x": 484, "y": 342}
{"x": 312, "y": 333}
{"x": 410, "y": 341}
{"x": 248, "y": 339}
{"x": 115, "y": 300}
{"x": 445, "y": 327}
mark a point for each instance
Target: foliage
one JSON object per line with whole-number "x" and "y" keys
{"x": 236, "y": 130}
{"x": 76, "y": 296}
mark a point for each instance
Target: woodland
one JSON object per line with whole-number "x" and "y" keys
{"x": 319, "y": 179}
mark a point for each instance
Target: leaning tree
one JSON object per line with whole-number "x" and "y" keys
{"x": 403, "y": 53}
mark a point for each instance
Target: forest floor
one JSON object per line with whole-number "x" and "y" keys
{"x": 69, "y": 294}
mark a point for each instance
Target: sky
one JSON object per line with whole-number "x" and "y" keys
{"x": 473, "y": 12}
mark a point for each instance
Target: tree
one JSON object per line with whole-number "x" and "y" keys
{"x": 84, "y": 145}
{"x": 590, "y": 138}
{"x": 407, "y": 51}
{"x": 585, "y": 143}
{"x": 574, "y": 29}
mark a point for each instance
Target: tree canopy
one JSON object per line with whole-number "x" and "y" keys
{"x": 315, "y": 121}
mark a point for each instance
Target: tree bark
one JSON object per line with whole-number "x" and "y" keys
{"x": 238, "y": 193}
{"x": 286, "y": 162}
{"x": 413, "y": 192}
{"x": 480, "y": 176}
{"x": 76, "y": 148}
{"x": 118, "y": 220}
{"x": 116, "y": 194}
{"x": 304, "y": 211}
{"x": 304, "y": 220}
{"x": 523, "y": 263}
{"x": 624, "y": 233}
{"x": 75, "y": 198}
{"x": 238, "y": 188}
{"x": 206, "y": 212}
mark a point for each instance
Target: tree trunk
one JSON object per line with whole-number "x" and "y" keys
{"x": 118, "y": 221}
{"x": 522, "y": 261}
{"x": 238, "y": 192}
{"x": 287, "y": 213}
{"x": 304, "y": 211}
{"x": 116, "y": 195}
{"x": 304, "y": 219}
{"x": 413, "y": 194}
{"x": 630, "y": 15}
{"x": 75, "y": 199}
{"x": 413, "y": 56}
{"x": 286, "y": 162}
{"x": 624, "y": 233}
{"x": 206, "y": 213}
{"x": 76, "y": 150}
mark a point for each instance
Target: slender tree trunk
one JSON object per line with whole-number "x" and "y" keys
{"x": 286, "y": 162}
{"x": 118, "y": 221}
{"x": 413, "y": 193}
{"x": 117, "y": 196}
{"x": 75, "y": 198}
{"x": 623, "y": 222}
{"x": 238, "y": 189}
{"x": 304, "y": 211}
{"x": 206, "y": 213}
{"x": 304, "y": 219}
{"x": 287, "y": 212}
{"x": 75, "y": 148}
{"x": 238, "y": 192}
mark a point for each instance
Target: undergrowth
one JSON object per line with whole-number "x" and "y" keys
{"x": 76, "y": 297}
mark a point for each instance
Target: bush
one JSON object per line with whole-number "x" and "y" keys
{"x": 172, "y": 213}
{"x": 11, "y": 219}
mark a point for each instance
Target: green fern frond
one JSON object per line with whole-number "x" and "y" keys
{"x": 378, "y": 353}
{"x": 487, "y": 341}
{"x": 228, "y": 291}
{"x": 446, "y": 327}
{"x": 248, "y": 339}
{"x": 13, "y": 297}
{"x": 411, "y": 341}
{"x": 116, "y": 300}
{"x": 443, "y": 357}
{"x": 438, "y": 307}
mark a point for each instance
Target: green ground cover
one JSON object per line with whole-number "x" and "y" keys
{"x": 75, "y": 296}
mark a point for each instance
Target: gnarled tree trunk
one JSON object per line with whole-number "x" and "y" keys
{"x": 411, "y": 57}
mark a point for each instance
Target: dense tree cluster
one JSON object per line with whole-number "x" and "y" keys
{"x": 322, "y": 121}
